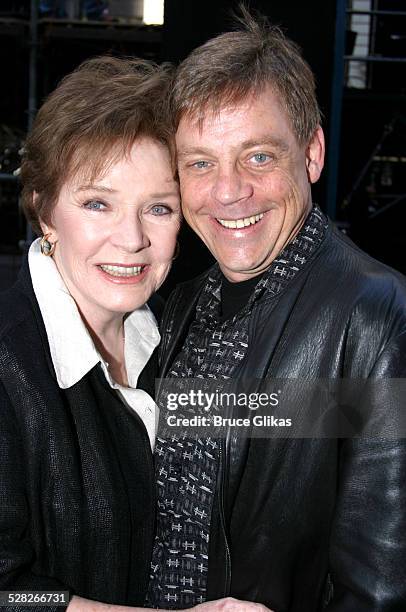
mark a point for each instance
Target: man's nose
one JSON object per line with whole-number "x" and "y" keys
{"x": 231, "y": 186}
{"x": 129, "y": 234}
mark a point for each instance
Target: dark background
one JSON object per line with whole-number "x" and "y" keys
{"x": 363, "y": 184}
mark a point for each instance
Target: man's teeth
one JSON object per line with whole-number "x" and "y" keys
{"x": 238, "y": 223}
{"x": 122, "y": 271}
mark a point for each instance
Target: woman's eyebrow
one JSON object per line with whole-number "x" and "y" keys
{"x": 161, "y": 194}
{"x": 95, "y": 188}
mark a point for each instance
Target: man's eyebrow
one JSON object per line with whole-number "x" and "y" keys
{"x": 270, "y": 141}
{"x": 184, "y": 151}
{"x": 277, "y": 143}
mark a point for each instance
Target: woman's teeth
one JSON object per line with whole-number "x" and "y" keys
{"x": 122, "y": 271}
{"x": 238, "y": 223}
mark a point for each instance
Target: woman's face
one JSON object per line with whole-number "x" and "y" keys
{"x": 115, "y": 238}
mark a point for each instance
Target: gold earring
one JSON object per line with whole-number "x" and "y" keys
{"x": 47, "y": 247}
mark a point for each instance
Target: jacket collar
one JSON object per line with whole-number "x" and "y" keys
{"x": 174, "y": 334}
{"x": 181, "y": 308}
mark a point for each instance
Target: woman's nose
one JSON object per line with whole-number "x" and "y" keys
{"x": 130, "y": 235}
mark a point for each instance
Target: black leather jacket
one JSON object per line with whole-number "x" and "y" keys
{"x": 311, "y": 524}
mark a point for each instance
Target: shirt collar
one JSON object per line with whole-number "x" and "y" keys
{"x": 72, "y": 349}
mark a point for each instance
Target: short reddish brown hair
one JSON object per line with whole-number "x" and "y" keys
{"x": 230, "y": 67}
{"x": 95, "y": 113}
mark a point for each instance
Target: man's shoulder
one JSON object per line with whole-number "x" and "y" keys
{"x": 343, "y": 246}
{"x": 357, "y": 268}
{"x": 351, "y": 283}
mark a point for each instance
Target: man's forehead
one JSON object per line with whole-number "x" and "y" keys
{"x": 213, "y": 111}
{"x": 260, "y": 111}
{"x": 234, "y": 127}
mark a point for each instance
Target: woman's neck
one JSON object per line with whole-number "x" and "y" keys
{"x": 107, "y": 331}
{"x": 108, "y": 337}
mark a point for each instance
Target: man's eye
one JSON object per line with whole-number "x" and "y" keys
{"x": 94, "y": 205}
{"x": 160, "y": 209}
{"x": 260, "y": 158}
{"x": 200, "y": 164}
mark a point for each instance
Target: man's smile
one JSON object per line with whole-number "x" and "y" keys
{"x": 239, "y": 223}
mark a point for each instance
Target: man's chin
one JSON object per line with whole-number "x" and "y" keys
{"x": 237, "y": 273}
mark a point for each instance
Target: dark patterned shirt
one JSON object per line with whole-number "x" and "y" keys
{"x": 186, "y": 464}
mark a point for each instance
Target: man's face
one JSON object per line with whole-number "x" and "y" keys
{"x": 245, "y": 182}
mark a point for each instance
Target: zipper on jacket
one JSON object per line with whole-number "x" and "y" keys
{"x": 222, "y": 474}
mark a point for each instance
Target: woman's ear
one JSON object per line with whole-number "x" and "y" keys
{"x": 315, "y": 155}
{"x": 49, "y": 232}
{"x": 46, "y": 228}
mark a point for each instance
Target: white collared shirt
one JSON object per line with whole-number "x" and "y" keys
{"x": 72, "y": 349}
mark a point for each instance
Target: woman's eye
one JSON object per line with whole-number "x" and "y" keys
{"x": 94, "y": 205}
{"x": 260, "y": 158}
{"x": 160, "y": 209}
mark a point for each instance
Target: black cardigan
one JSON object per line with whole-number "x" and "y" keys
{"x": 76, "y": 472}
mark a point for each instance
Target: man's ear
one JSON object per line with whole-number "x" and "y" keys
{"x": 315, "y": 155}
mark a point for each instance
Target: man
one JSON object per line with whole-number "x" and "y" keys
{"x": 293, "y": 523}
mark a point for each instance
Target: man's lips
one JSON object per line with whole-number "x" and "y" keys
{"x": 240, "y": 223}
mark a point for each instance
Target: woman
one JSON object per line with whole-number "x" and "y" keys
{"x": 77, "y": 420}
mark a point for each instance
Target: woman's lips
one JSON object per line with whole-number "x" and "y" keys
{"x": 124, "y": 274}
{"x": 122, "y": 270}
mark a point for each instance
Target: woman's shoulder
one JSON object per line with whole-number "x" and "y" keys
{"x": 20, "y": 320}
{"x": 15, "y": 308}
{"x": 25, "y": 362}
{"x": 18, "y": 305}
